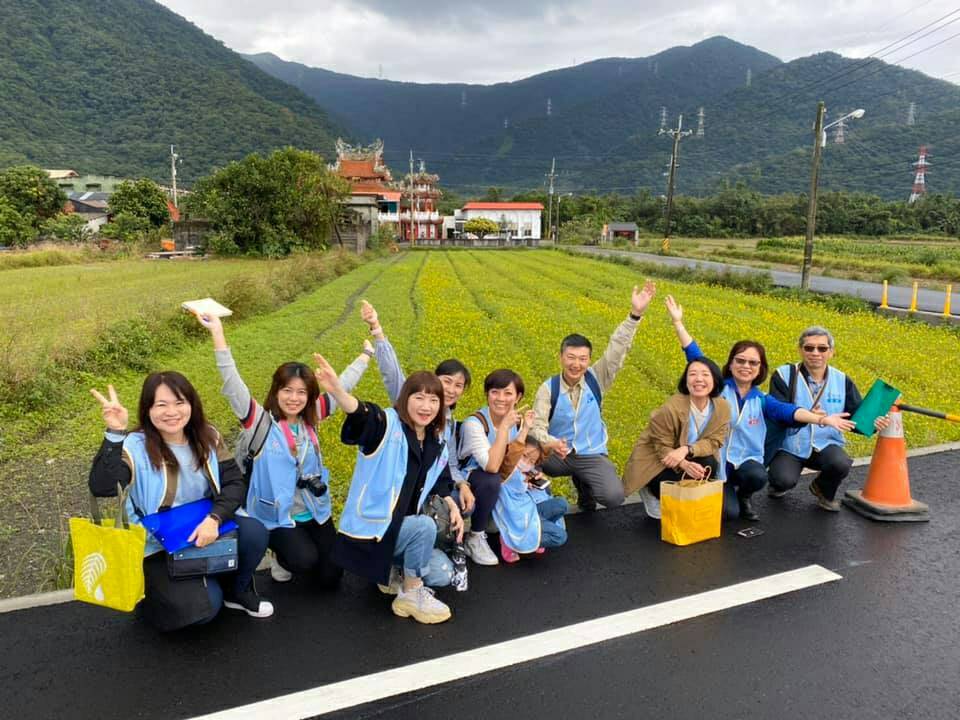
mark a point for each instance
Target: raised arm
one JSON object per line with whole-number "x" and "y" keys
{"x": 690, "y": 348}
{"x": 390, "y": 371}
{"x": 109, "y": 467}
{"x": 349, "y": 379}
{"x": 607, "y": 367}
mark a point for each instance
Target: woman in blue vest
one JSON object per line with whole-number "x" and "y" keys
{"x": 742, "y": 455}
{"x": 483, "y": 444}
{"x": 401, "y": 461}
{"x": 280, "y": 452}
{"x": 683, "y": 437}
{"x": 176, "y": 457}
{"x": 453, "y": 375}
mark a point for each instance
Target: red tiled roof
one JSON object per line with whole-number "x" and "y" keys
{"x": 359, "y": 169}
{"x": 502, "y": 206}
{"x": 391, "y": 196}
{"x": 368, "y": 188}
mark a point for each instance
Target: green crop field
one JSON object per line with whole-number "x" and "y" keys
{"x": 490, "y": 309}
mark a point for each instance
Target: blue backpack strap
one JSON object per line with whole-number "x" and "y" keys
{"x": 554, "y": 395}
{"x": 594, "y": 386}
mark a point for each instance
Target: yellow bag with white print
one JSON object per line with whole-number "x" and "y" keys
{"x": 108, "y": 559}
{"x": 690, "y": 510}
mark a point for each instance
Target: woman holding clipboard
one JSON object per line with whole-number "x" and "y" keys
{"x": 172, "y": 458}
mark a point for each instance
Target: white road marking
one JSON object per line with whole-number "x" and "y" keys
{"x": 377, "y": 686}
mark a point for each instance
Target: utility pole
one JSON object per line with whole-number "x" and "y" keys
{"x": 173, "y": 174}
{"x": 413, "y": 227}
{"x": 812, "y": 207}
{"x": 677, "y": 136}
{"x": 552, "y": 175}
{"x": 700, "y": 123}
{"x": 912, "y": 114}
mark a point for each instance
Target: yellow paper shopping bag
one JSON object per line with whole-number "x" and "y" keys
{"x": 690, "y": 510}
{"x": 108, "y": 560}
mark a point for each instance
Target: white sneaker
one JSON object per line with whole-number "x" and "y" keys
{"x": 278, "y": 572}
{"x": 396, "y": 582}
{"x": 650, "y": 503}
{"x": 421, "y": 605}
{"x": 478, "y": 549}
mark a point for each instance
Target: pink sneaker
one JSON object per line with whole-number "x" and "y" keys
{"x": 508, "y": 554}
{"x": 541, "y": 550}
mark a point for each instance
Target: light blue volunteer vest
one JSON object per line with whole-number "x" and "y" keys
{"x": 378, "y": 480}
{"x": 583, "y": 428}
{"x": 516, "y": 514}
{"x": 748, "y": 429}
{"x": 802, "y": 441}
{"x": 148, "y": 485}
{"x": 274, "y": 481}
{"x": 472, "y": 463}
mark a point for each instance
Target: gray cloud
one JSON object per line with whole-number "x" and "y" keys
{"x": 502, "y": 40}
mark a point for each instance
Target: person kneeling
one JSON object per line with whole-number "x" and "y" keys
{"x": 528, "y": 517}
{"x": 402, "y": 460}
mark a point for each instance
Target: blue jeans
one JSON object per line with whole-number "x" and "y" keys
{"x": 415, "y": 554}
{"x": 552, "y": 534}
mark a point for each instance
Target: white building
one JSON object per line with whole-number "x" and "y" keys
{"x": 517, "y": 220}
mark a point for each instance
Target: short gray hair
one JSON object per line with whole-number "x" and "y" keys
{"x": 815, "y": 330}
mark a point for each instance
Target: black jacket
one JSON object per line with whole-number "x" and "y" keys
{"x": 366, "y": 427}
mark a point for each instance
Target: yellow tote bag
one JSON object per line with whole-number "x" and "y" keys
{"x": 108, "y": 559}
{"x": 690, "y": 510}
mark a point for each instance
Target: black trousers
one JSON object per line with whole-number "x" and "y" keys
{"x": 748, "y": 478}
{"x": 305, "y": 550}
{"x": 669, "y": 474}
{"x": 486, "y": 490}
{"x": 833, "y": 463}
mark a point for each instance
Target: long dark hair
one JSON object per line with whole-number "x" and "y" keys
{"x": 738, "y": 348}
{"x": 281, "y": 378}
{"x": 200, "y": 435}
{"x": 426, "y": 382}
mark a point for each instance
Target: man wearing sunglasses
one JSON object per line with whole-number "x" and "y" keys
{"x": 816, "y": 386}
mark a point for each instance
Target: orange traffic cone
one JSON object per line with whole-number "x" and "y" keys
{"x": 886, "y": 496}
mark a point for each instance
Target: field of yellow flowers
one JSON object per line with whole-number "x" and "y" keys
{"x": 496, "y": 309}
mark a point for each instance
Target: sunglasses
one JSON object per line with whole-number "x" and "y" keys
{"x": 816, "y": 348}
{"x": 746, "y": 361}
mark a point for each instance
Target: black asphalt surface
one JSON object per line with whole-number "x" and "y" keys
{"x": 883, "y": 642}
{"x": 898, "y": 297}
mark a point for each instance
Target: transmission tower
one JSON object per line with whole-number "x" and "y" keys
{"x": 506, "y": 123}
{"x": 663, "y": 118}
{"x": 912, "y": 114}
{"x": 549, "y": 107}
{"x": 700, "y": 116}
{"x": 920, "y": 179}
{"x": 463, "y": 99}
{"x": 839, "y": 138}
{"x": 749, "y": 77}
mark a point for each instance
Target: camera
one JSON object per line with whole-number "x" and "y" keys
{"x": 313, "y": 483}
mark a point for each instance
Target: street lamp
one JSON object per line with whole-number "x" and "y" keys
{"x": 819, "y": 140}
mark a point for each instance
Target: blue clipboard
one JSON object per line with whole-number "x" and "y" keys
{"x": 171, "y": 528}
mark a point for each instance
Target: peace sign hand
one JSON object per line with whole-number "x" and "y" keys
{"x": 326, "y": 375}
{"x": 114, "y": 414}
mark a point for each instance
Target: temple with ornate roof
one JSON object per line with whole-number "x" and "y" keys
{"x": 419, "y": 217}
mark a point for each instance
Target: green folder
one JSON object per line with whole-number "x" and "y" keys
{"x": 876, "y": 404}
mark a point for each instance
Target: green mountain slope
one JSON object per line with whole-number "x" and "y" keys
{"x": 595, "y": 104}
{"x": 106, "y": 87}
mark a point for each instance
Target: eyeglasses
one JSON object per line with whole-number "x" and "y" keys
{"x": 746, "y": 361}
{"x": 816, "y": 348}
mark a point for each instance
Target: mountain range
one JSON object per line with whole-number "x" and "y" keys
{"x": 108, "y": 89}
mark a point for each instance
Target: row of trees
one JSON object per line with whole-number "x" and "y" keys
{"x": 740, "y": 212}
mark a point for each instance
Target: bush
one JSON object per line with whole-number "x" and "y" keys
{"x": 126, "y": 228}
{"x": 66, "y": 227}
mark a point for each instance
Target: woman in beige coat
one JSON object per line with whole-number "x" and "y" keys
{"x": 684, "y": 435}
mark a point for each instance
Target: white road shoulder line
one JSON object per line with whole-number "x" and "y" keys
{"x": 377, "y": 686}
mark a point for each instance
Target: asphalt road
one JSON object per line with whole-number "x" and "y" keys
{"x": 898, "y": 297}
{"x": 884, "y": 641}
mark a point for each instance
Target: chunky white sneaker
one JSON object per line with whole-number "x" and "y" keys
{"x": 421, "y": 605}
{"x": 650, "y": 503}
{"x": 478, "y": 549}
{"x": 396, "y": 582}
{"x": 278, "y": 572}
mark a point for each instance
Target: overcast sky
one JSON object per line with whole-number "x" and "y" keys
{"x": 500, "y": 40}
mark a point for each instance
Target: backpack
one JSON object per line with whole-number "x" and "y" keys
{"x": 592, "y": 383}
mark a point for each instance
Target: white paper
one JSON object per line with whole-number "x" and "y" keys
{"x": 207, "y": 306}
